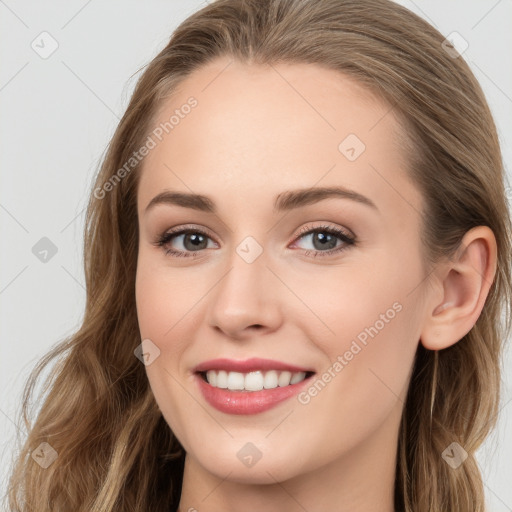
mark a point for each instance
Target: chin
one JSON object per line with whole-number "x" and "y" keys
{"x": 267, "y": 470}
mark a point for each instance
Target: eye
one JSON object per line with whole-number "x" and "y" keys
{"x": 324, "y": 240}
{"x": 192, "y": 241}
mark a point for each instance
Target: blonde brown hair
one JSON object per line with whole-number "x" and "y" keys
{"x": 115, "y": 451}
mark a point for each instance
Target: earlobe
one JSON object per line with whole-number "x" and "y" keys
{"x": 464, "y": 283}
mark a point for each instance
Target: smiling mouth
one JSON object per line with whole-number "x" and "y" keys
{"x": 253, "y": 381}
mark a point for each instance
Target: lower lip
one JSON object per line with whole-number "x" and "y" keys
{"x": 247, "y": 402}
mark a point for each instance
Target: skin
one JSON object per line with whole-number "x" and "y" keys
{"x": 255, "y": 133}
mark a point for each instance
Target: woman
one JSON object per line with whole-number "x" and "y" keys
{"x": 332, "y": 172}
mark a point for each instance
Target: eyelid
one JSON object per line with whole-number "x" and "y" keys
{"x": 308, "y": 229}
{"x": 190, "y": 227}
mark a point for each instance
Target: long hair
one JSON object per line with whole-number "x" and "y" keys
{"x": 115, "y": 452}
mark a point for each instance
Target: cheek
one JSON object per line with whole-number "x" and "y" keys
{"x": 365, "y": 379}
{"x": 369, "y": 330}
{"x": 163, "y": 297}
{"x": 160, "y": 306}
{"x": 350, "y": 303}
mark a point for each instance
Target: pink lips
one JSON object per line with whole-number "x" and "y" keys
{"x": 247, "y": 402}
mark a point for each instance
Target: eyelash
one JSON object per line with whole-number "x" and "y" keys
{"x": 166, "y": 237}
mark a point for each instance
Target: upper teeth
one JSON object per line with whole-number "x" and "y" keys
{"x": 252, "y": 381}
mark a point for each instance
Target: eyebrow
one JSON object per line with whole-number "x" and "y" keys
{"x": 285, "y": 201}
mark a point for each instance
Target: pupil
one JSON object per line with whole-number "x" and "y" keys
{"x": 324, "y": 239}
{"x": 195, "y": 238}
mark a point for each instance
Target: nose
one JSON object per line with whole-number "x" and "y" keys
{"x": 246, "y": 299}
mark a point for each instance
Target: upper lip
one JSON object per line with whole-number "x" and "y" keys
{"x": 248, "y": 365}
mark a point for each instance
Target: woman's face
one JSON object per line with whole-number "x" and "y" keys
{"x": 324, "y": 283}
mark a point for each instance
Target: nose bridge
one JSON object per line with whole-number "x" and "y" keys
{"x": 245, "y": 296}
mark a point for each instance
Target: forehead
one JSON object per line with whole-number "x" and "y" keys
{"x": 263, "y": 129}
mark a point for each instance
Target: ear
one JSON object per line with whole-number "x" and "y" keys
{"x": 461, "y": 288}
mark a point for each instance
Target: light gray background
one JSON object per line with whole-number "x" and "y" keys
{"x": 59, "y": 113}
